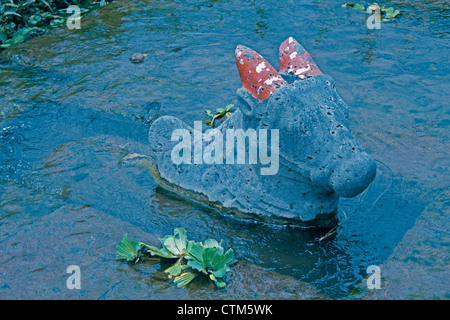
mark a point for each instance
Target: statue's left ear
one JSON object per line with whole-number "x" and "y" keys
{"x": 258, "y": 77}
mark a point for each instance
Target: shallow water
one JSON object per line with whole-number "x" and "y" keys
{"x": 72, "y": 106}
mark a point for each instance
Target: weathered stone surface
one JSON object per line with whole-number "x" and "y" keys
{"x": 319, "y": 160}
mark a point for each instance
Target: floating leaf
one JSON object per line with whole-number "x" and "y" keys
{"x": 176, "y": 243}
{"x": 184, "y": 279}
{"x": 195, "y": 251}
{"x": 390, "y": 14}
{"x": 194, "y": 264}
{"x": 174, "y": 270}
{"x": 359, "y": 6}
{"x": 229, "y": 256}
{"x": 180, "y": 239}
{"x": 211, "y": 243}
{"x": 219, "y": 282}
{"x": 220, "y": 273}
{"x": 127, "y": 250}
{"x": 163, "y": 252}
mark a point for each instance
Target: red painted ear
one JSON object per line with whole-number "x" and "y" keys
{"x": 257, "y": 75}
{"x": 296, "y": 60}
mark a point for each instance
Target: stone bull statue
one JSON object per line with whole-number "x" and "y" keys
{"x": 313, "y": 158}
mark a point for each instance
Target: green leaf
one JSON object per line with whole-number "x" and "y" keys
{"x": 11, "y": 13}
{"x": 359, "y": 6}
{"x": 47, "y": 5}
{"x": 229, "y": 256}
{"x": 169, "y": 243}
{"x": 174, "y": 270}
{"x": 163, "y": 252}
{"x": 195, "y": 251}
{"x": 180, "y": 239}
{"x": 229, "y": 107}
{"x": 219, "y": 110}
{"x": 184, "y": 279}
{"x": 212, "y": 259}
{"x": 176, "y": 243}
{"x": 127, "y": 250}
{"x": 219, "y": 283}
{"x": 20, "y": 36}
{"x": 209, "y": 113}
{"x": 194, "y": 264}
{"x": 3, "y": 37}
{"x": 211, "y": 243}
{"x": 220, "y": 273}
{"x": 11, "y": 5}
{"x": 6, "y": 45}
{"x": 390, "y": 14}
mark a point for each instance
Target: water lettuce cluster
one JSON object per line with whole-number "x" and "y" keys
{"x": 191, "y": 258}
{"x": 387, "y": 14}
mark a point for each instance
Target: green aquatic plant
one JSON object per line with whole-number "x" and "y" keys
{"x": 172, "y": 245}
{"x": 208, "y": 259}
{"x": 354, "y": 6}
{"x": 18, "y": 37}
{"x": 220, "y": 113}
{"x": 388, "y": 14}
{"x": 23, "y": 19}
{"x": 192, "y": 259}
{"x": 128, "y": 250}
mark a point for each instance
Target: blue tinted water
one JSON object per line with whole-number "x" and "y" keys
{"x": 72, "y": 106}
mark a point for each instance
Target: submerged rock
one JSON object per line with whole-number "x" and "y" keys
{"x": 138, "y": 57}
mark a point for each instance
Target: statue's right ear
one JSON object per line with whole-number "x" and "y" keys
{"x": 259, "y": 79}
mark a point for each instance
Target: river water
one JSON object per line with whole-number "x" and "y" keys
{"x": 72, "y": 106}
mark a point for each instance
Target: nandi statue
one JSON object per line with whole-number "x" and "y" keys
{"x": 313, "y": 157}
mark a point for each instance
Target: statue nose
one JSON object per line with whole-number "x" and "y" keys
{"x": 353, "y": 176}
